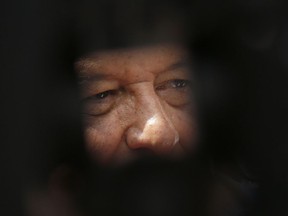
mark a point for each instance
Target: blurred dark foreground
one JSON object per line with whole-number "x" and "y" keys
{"x": 240, "y": 51}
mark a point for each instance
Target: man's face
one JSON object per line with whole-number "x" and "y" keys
{"x": 136, "y": 101}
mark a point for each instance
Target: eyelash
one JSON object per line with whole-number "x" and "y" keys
{"x": 177, "y": 83}
{"x": 103, "y": 101}
{"x": 180, "y": 83}
{"x": 102, "y": 96}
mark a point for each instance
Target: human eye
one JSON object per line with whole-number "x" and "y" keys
{"x": 176, "y": 92}
{"x": 99, "y": 103}
{"x": 179, "y": 83}
{"x": 100, "y": 97}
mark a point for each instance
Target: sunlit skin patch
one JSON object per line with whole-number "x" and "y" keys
{"x": 149, "y": 124}
{"x": 137, "y": 99}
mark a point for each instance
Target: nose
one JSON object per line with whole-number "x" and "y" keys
{"x": 152, "y": 128}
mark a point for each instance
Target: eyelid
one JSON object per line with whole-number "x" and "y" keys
{"x": 178, "y": 73}
{"x": 95, "y": 87}
{"x": 163, "y": 85}
{"x": 94, "y": 106}
{"x": 95, "y": 98}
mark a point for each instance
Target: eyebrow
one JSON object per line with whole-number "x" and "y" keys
{"x": 102, "y": 76}
{"x": 180, "y": 64}
{"x": 95, "y": 77}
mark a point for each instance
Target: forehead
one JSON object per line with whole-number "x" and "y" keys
{"x": 128, "y": 62}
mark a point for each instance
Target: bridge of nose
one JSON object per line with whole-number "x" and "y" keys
{"x": 149, "y": 108}
{"x": 152, "y": 127}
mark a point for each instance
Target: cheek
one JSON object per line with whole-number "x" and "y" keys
{"x": 185, "y": 124}
{"x": 103, "y": 136}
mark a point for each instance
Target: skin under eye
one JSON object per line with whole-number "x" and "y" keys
{"x": 175, "y": 92}
{"x": 100, "y": 103}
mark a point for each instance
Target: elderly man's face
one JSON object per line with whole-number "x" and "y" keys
{"x": 136, "y": 101}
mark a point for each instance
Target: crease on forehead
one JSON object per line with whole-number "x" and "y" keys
{"x": 85, "y": 79}
{"x": 85, "y": 65}
{"x": 90, "y": 67}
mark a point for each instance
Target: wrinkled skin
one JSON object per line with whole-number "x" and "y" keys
{"x": 137, "y": 101}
